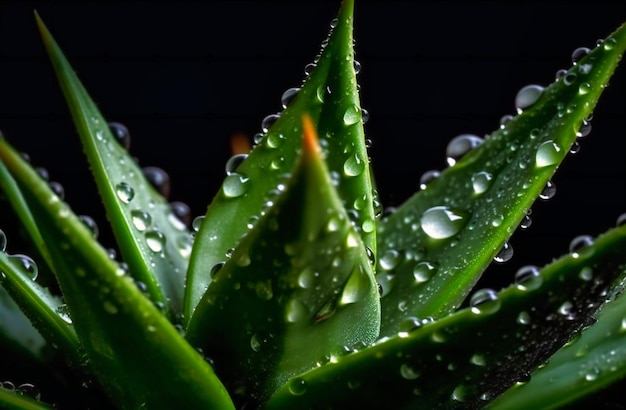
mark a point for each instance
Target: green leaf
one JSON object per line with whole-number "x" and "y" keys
{"x": 434, "y": 248}
{"x": 17, "y": 334}
{"x": 44, "y": 310}
{"x": 298, "y": 290}
{"x": 122, "y": 331}
{"x": 330, "y": 97}
{"x": 10, "y": 400}
{"x": 153, "y": 242}
{"x": 589, "y": 363}
{"x": 471, "y": 356}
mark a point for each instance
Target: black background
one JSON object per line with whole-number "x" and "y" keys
{"x": 186, "y": 75}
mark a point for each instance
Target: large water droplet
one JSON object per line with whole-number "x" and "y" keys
{"x": 234, "y": 185}
{"x": 481, "y": 181}
{"x": 26, "y": 264}
{"x": 578, "y": 54}
{"x": 548, "y": 153}
{"x": 461, "y": 145}
{"x": 297, "y": 386}
{"x": 357, "y": 286}
{"x": 155, "y": 240}
{"x": 484, "y": 301}
{"x": 121, "y": 134}
{"x": 233, "y": 162}
{"x": 288, "y": 96}
{"x": 528, "y": 278}
{"x": 124, "y": 192}
{"x": 505, "y": 254}
{"x": 296, "y": 311}
{"x": 352, "y": 115}
{"x": 268, "y": 121}
{"x": 441, "y": 222}
{"x": 527, "y": 96}
{"x": 353, "y": 166}
{"x": 159, "y": 179}
{"x": 141, "y": 219}
{"x": 423, "y": 271}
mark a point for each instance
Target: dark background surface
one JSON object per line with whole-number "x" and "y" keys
{"x": 185, "y": 75}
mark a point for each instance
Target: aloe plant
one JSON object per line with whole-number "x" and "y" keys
{"x": 296, "y": 288}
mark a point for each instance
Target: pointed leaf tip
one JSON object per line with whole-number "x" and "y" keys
{"x": 309, "y": 143}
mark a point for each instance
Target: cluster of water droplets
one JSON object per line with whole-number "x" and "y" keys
{"x": 23, "y": 389}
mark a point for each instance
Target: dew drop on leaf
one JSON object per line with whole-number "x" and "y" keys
{"x": 578, "y": 245}
{"x": 141, "y": 219}
{"x": 427, "y": 177}
{"x": 297, "y": 386}
{"x": 423, "y": 271}
{"x": 3, "y": 241}
{"x": 481, "y": 181}
{"x": 121, "y": 134}
{"x": 288, "y": 96}
{"x": 26, "y": 264}
{"x": 90, "y": 224}
{"x": 523, "y": 318}
{"x": 216, "y": 269}
{"x": 505, "y": 254}
{"x": 389, "y": 260}
{"x": 234, "y": 185}
{"x": 353, "y": 166}
{"x": 296, "y": 311}
{"x": 57, "y": 188}
{"x": 64, "y": 313}
{"x": 441, "y": 222}
{"x": 527, "y": 96}
{"x": 528, "y": 278}
{"x": 124, "y": 192}
{"x": 461, "y": 145}
{"x": 268, "y": 121}
{"x": 233, "y": 162}
{"x": 584, "y": 88}
{"x": 275, "y": 140}
{"x": 408, "y": 372}
{"x": 548, "y": 153}
{"x": 484, "y": 301}
{"x": 159, "y": 179}
{"x": 155, "y": 240}
{"x": 548, "y": 191}
{"x": 578, "y": 54}
{"x": 352, "y": 115}
{"x": 356, "y": 288}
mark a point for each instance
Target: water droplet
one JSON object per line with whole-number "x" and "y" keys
{"x": 141, "y": 219}
{"x": 441, "y": 222}
{"x": 461, "y": 145}
{"x": 586, "y": 274}
{"x": 180, "y": 216}
{"x": 621, "y": 220}
{"x": 155, "y": 240}
{"x": 578, "y": 245}
{"x": 121, "y": 134}
{"x": 484, "y": 301}
{"x": 527, "y": 96}
{"x": 352, "y": 115}
{"x": 288, "y": 96}
{"x": 357, "y": 286}
{"x": 275, "y": 140}
{"x": 609, "y": 43}
{"x": 296, "y": 311}
{"x": 216, "y": 269}
{"x": 64, "y": 313}
{"x": 297, "y": 386}
{"x": 268, "y": 121}
{"x": 548, "y": 153}
{"x": 57, "y": 189}
{"x": 408, "y": 325}
{"x": 365, "y": 116}
{"x": 569, "y": 78}
{"x": 308, "y": 69}
{"x": 3, "y": 241}
{"x": 592, "y": 374}
{"x": 233, "y": 162}
{"x": 277, "y": 163}
{"x": 263, "y": 289}
{"x": 478, "y": 360}
{"x": 26, "y": 264}
{"x": 357, "y": 67}
{"x": 505, "y": 254}
{"x": 523, "y": 318}
{"x": 197, "y": 223}
{"x": 390, "y": 259}
{"x": 159, "y": 179}
{"x": 528, "y": 278}
{"x": 459, "y": 393}
{"x": 256, "y": 341}
{"x": 428, "y": 177}
{"x": 423, "y": 271}
{"x": 89, "y": 222}
{"x": 409, "y": 373}
{"x": 505, "y": 119}
{"x": 548, "y": 191}
{"x": 234, "y": 185}
{"x": 353, "y": 166}
{"x": 578, "y": 54}
{"x": 481, "y": 181}
{"x": 584, "y": 88}
{"x": 124, "y": 192}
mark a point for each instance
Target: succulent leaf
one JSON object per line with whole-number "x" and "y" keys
{"x": 469, "y": 357}
{"x": 154, "y": 243}
{"x": 122, "y": 331}
{"x": 11, "y": 400}
{"x": 329, "y": 96}
{"x": 434, "y": 248}
{"x": 288, "y": 296}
